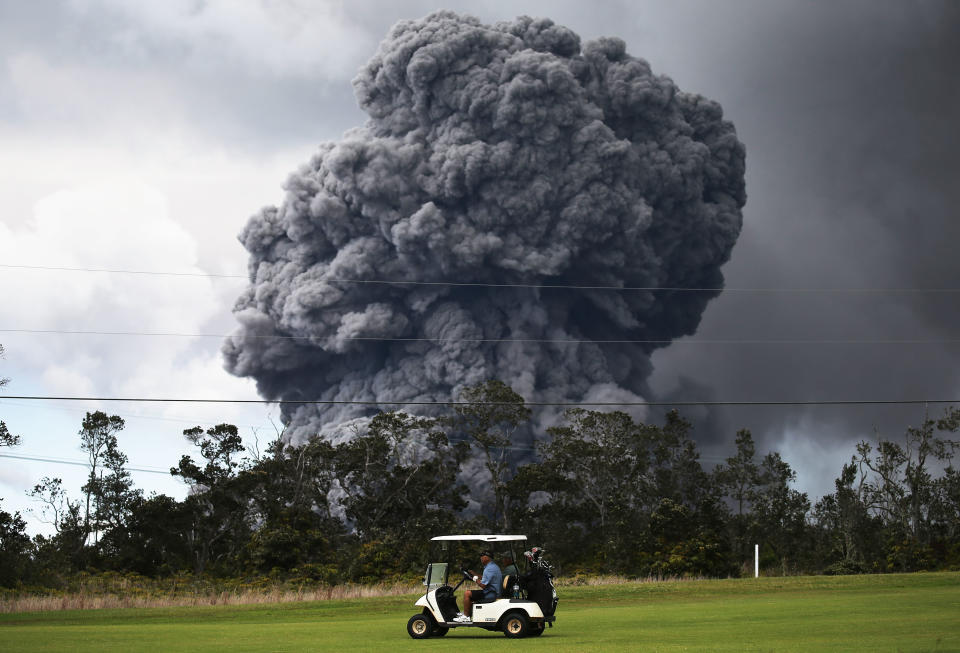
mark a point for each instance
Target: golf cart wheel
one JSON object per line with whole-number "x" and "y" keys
{"x": 419, "y": 627}
{"x": 440, "y": 631}
{"x": 537, "y": 629}
{"x": 515, "y": 624}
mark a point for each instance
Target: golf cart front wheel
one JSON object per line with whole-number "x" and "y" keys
{"x": 440, "y": 631}
{"x": 537, "y": 629}
{"x": 516, "y": 625}
{"x": 419, "y": 627}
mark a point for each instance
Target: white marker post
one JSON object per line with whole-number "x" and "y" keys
{"x": 756, "y": 561}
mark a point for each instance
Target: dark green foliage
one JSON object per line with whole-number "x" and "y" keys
{"x": 391, "y": 479}
{"x": 627, "y": 497}
{"x": 605, "y": 493}
{"x": 153, "y": 543}
{"x": 288, "y": 491}
{"x": 15, "y": 549}
{"x": 214, "y": 526}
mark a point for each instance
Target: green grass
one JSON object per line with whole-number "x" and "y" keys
{"x": 909, "y": 612}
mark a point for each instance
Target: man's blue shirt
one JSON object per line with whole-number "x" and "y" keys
{"x": 492, "y": 580}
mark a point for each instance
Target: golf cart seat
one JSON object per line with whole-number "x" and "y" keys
{"x": 506, "y": 592}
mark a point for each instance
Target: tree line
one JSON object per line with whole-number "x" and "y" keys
{"x": 603, "y": 492}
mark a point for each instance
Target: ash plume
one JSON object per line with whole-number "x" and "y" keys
{"x": 493, "y": 154}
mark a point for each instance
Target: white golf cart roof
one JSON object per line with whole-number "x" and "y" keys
{"x": 480, "y": 538}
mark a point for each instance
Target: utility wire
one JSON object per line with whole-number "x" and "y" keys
{"x": 704, "y": 341}
{"x": 357, "y": 402}
{"x": 65, "y": 461}
{"x": 138, "y": 416}
{"x": 78, "y": 463}
{"x": 114, "y": 271}
{"x": 407, "y": 282}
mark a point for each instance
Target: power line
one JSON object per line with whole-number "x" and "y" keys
{"x": 137, "y": 416}
{"x": 358, "y": 402}
{"x": 116, "y": 271}
{"x": 409, "y": 282}
{"x": 78, "y": 463}
{"x": 572, "y": 341}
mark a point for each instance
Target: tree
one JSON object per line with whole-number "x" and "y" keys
{"x": 493, "y": 412}
{"x": 68, "y": 547}
{"x": 399, "y": 473}
{"x": 945, "y": 513}
{"x": 7, "y": 439}
{"x": 923, "y": 446}
{"x": 898, "y": 486}
{"x": 117, "y": 499}
{"x": 738, "y": 480}
{"x": 14, "y": 543}
{"x": 98, "y": 439}
{"x": 629, "y": 498}
{"x": 852, "y": 534}
{"x": 289, "y": 490}
{"x": 596, "y": 468}
{"x": 216, "y": 504}
{"x": 689, "y": 514}
{"x": 15, "y": 549}
{"x": 779, "y": 512}
{"x": 153, "y": 539}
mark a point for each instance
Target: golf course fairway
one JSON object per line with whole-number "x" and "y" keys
{"x": 902, "y": 612}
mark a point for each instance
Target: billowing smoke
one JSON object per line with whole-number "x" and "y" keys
{"x": 494, "y": 155}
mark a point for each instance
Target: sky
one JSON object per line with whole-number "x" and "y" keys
{"x": 142, "y": 137}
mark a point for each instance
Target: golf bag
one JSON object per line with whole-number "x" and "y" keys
{"x": 538, "y": 582}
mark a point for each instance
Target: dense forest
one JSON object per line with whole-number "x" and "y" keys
{"x": 603, "y": 493}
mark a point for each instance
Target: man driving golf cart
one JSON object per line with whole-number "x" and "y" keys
{"x": 521, "y": 605}
{"x": 490, "y": 587}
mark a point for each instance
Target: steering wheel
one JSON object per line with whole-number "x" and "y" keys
{"x": 466, "y": 577}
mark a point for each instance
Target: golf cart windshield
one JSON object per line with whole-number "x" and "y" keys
{"x": 436, "y": 575}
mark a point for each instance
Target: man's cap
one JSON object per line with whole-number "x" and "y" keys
{"x": 487, "y": 553}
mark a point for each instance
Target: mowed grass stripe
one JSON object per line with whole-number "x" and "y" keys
{"x": 918, "y": 612}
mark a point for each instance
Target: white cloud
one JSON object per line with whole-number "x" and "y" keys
{"x": 208, "y": 189}
{"x": 200, "y": 376}
{"x": 67, "y": 381}
{"x": 71, "y": 94}
{"x": 13, "y": 477}
{"x": 287, "y": 37}
{"x": 119, "y": 223}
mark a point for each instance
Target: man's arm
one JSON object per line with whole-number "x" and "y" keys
{"x": 490, "y": 573}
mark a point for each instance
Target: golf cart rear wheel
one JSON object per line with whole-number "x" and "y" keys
{"x": 515, "y": 624}
{"x": 419, "y": 627}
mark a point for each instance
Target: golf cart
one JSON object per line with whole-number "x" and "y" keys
{"x": 526, "y": 602}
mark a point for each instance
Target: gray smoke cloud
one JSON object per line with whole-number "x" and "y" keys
{"x": 493, "y": 154}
